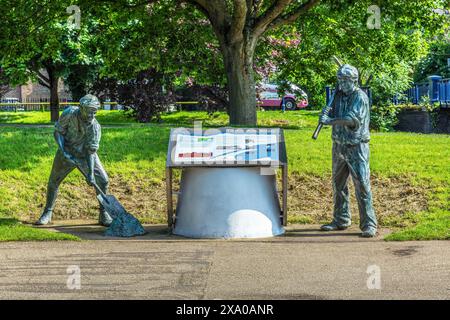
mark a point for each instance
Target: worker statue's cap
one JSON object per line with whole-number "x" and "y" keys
{"x": 89, "y": 101}
{"x": 347, "y": 72}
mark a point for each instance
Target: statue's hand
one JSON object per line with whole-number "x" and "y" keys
{"x": 70, "y": 158}
{"x": 90, "y": 180}
{"x": 325, "y": 119}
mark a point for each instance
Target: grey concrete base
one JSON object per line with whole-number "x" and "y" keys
{"x": 227, "y": 203}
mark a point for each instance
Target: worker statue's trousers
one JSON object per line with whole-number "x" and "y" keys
{"x": 62, "y": 167}
{"x": 352, "y": 160}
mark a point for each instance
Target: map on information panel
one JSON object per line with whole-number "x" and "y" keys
{"x": 227, "y": 147}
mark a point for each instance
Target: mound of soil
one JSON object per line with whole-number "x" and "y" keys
{"x": 310, "y": 198}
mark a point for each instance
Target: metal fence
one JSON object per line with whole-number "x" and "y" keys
{"x": 444, "y": 92}
{"x": 437, "y": 90}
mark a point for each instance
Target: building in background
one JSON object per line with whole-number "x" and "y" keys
{"x": 33, "y": 92}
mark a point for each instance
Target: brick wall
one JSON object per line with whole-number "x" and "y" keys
{"x": 34, "y": 92}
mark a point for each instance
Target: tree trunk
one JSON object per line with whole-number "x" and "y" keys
{"x": 54, "y": 97}
{"x": 238, "y": 60}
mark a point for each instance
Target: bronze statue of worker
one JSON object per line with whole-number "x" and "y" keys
{"x": 77, "y": 134}
{"x": 349, "y": 117}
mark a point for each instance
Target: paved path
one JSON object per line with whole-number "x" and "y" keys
{"x": 304, "y": 264}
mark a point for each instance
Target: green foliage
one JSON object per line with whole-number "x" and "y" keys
{"x": 149, "y": 51}
{"x": 38, "y": 35}
{"x": 178, "y": 41}
{"x": 435, "y": 62}
{"x": 13, "y": 230}
{"x": 171, "y": 37}
{"x": 384, "y": 117}
{"x": 385, "y": 57}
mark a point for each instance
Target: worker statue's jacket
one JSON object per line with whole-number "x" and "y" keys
{"x": 354, "y": 106}
{"x": 80, "y": 138}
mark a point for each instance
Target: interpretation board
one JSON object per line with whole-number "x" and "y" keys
{"x": 226, "y": 147}
{"x": 207, "y": 159}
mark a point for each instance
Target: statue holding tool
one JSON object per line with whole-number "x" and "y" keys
{"x": 348, "y": 114}
{"x": 78, "y": 134}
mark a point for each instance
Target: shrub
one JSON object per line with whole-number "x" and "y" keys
{"x": 211, "y": 98}
{"x": 146, "y": 95}
{"x": 384, "y": 117}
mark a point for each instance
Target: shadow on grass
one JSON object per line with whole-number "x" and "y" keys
{"x": 272, "y": 120}
{"x": 188, "y": 121}
{"x": 115, "y": 117}
{"x": 8, "y": 222}
{"x": 207, "y": 124}
{"x": 11, "y": 118}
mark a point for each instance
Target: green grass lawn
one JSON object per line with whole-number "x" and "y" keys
{"x": 14, "y": 230}
{"x": 39, "y": 117}
{"x": 410, "y": 172}
{"x": 291, "y": 120}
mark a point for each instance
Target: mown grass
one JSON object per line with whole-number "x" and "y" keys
{"x": 434, "y": 225}
{"x": 40, "y": 117}
{"x": 291, "y": 120}
{"x": 134, "y": 156}
{"x": 14, "y": 230}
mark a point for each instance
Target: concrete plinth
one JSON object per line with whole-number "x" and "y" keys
{"x": 227, "y": 203}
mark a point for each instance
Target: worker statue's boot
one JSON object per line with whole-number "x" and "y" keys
{"x": 45, "y": 218}
{"x": 333, "y": 226}
{"x": 104, "y": 218}
{"x": 369, "y": 232}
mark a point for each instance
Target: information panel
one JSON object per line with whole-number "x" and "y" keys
{"x": 226, "y": 147}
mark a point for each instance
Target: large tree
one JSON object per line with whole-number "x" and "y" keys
{"x": 228, "y": 39}
{"x": 238, "y": 25}
{"x": 386, "y": 56}
{"x": 37, "y": 36}
{"x": 150, "y": 50}
{"x": 28, "y": 39}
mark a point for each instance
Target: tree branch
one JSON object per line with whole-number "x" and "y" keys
{"x": 217, "y": 14}
{"x": 42, "y": 77}
{"x": 42, "y": 83}
{"x": 238, "y": 22}
{"x": 272, "y": 13}
{"x": 257, "y": 6}
{"x": 305, "y": 7}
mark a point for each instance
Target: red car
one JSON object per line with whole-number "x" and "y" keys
{"x": 269, "y": 98}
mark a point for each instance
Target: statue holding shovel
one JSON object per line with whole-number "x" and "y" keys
{"x": 78, "y": 134}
